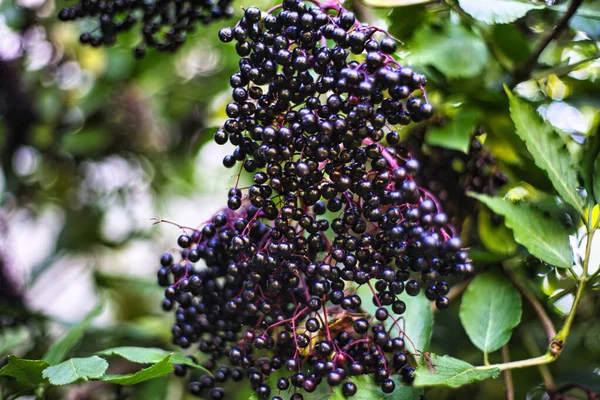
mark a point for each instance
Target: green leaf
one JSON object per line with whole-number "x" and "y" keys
{"x": 162, "y": 368}
{"x": 456, "y": 134}
{"x": 596, "y": 180}
{"x": 544, "y": 237}
{"x": 452, "y": 372}
{"x": 497, "y": 11}
{"x": 148, "y": 355}
{"x": 59, "y": 350}
{"x": 416, "y": 322}
{"x": 454, "y": 50}
{"x": 394, "y": 3}
{"x": 157, "y": 389}
{"x": 589, "y": 170}
{"x": 495, "y": 237}
{"x": 548, "y": 150}
{"x": 489, "y": 310}
{"x": 369, "y": 390}
{"x": 76, "y": 370}
{"x": 27, "y": 372}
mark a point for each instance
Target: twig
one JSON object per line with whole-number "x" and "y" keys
{"x": 508, "y": 382}
{"x": 523, "y": 72}
{"x": 537, "y": 306}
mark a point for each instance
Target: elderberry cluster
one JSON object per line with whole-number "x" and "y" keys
{"x": 163, "y": 24}
{"x": 269, "y": 286}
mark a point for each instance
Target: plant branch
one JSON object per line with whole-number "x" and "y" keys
{"x": 537, "y": 306}
{"x": 530, "y": 362}
{"x": 524, "y": 72}
{"x": 508, "y": 382}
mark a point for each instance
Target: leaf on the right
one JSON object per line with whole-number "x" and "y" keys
{"x": 544, "y": 237}
{"x": 449, "y": 371}
{"x": 497, "y": 11}
{"x": 590, "y": 166}
{"x": 456, "y": 134}
{"x": 148, "y": 355}
{"x": 415, "y": 325}
{"x": 495, "y": 236}
{"x": 160, "y": 369}
{"x": 76, "y": 370}
{"x": 369, "y": 390}
{"x": 454, "y": 50}
{"x": 548, "y": 150}
{"x": 489, "y": 310}
{"x": 596, "y": 180}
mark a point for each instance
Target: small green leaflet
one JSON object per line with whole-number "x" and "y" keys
{"x": 548, "y": 150}
{"x": 76, "y": 370}
{"x": 160, "y": 369}
{"x": 497, "y": 238}
{"x": 59, "y": 350}
{"x": 456, "y": 134}
{"x": 148, "y": 355}
{"x": 590, "y": 167}
{"x": 497, "y": 11}
{"x": 454, "y": 50}
{"x": 416, "y": 322}
{"x": 544, "y": 237}
{"x": 452, "y": 372}
{"x": 369, "y": 390}
{"x": 489, "y": 310}
{"x": 27, "y": 372}
{"x": 596, "y": 180}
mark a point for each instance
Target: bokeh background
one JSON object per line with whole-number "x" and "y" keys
{"x": 94, "y": 143}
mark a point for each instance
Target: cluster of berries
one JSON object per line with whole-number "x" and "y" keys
{"x": 164, "y": 23}
{"x": 269, "y": 285}
{"x": 450, "y": 174}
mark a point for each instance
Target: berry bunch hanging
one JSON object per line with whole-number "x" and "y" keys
{"x": 163, "y": 24}
{"x": 269, "y": 283}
